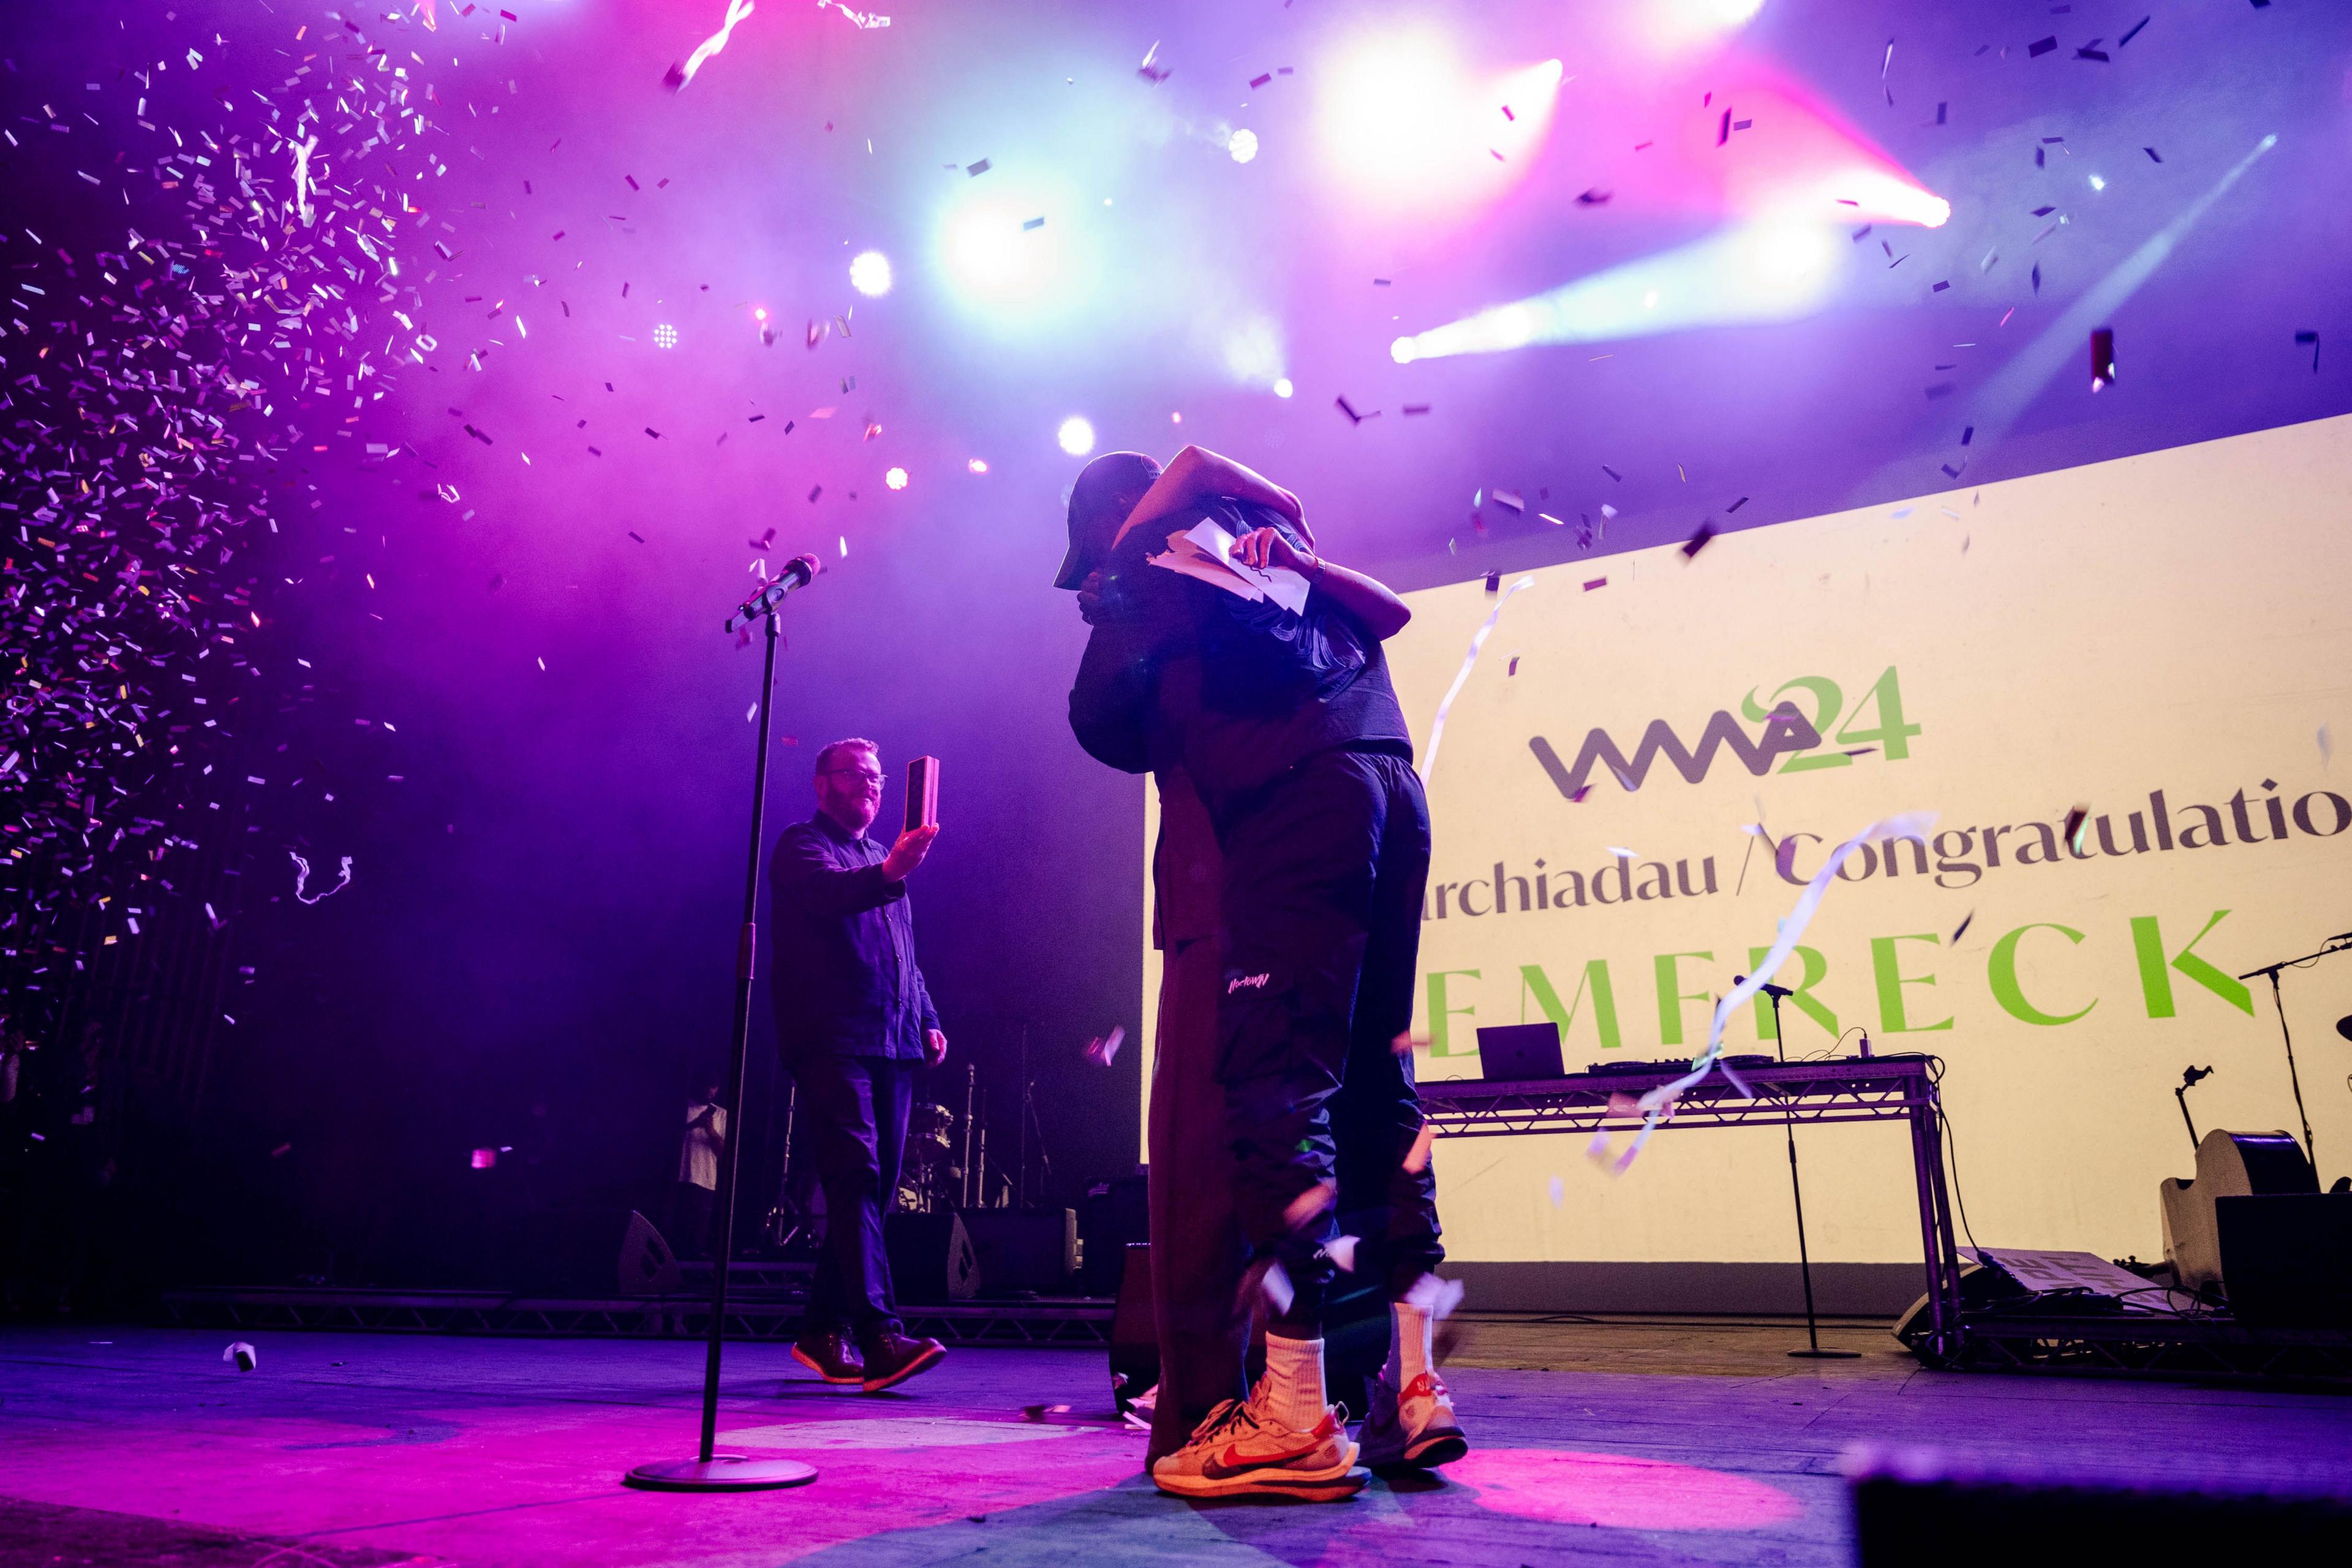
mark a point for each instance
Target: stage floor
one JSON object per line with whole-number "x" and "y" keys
{"x": 1617, "y": 1441}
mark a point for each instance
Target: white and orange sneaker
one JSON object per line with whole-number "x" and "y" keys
{"x": 1413, "y": 1427}
{"x": 1241, "y": 1449}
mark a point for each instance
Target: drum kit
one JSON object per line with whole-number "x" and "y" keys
{"x": 943, "y": 1164}
{"x": 930, "y": 1170}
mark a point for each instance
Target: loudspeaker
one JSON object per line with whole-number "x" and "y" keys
{"x": 592, "y": 1254}
{"x": 1134, "y": 1343}
{"x": 2287, "y": 1259}
{"x": 1912, "y": 1507}
{"x": 1033, "y": 1251}
{"x": 1117, "y": 1214}
{"x": 932, "y": 1257}
{"x": 1983, "y": 1285}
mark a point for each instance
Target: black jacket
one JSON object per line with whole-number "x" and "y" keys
{"x": 1181, "y": 674}
{"x": 842, "y": 973}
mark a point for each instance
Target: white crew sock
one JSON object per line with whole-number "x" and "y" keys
{"x": 1292, "y": 1390}
{"x": 1410, "y": 1347}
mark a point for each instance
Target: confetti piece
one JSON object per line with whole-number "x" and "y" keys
{"x": 2136, "y": 26}
{"x": 1412, "y": 408}
{"x": 737, "y": 10}
{"x": 1308, "y": 1205}
{"x": 977, "y": 170}
{"x": 2103, "y": 357}
{"x": 1697, "y": 542}
{"x": 241, "y": 1355}
{"x": 1966, "y": 921}
{"x": 2037, "y": 49}
{"x": 1104, "y": 1049}
{"x": 2312, "y": 339}
{"x": 1558, "y": 1192}
{"x": 2326, "y": 745}
{"x": 1658, "y": 1103}
{"x": 1438, "y": 1297}
{"x": 1266, "y": 1280}
{"x": 1596, "y": 583}
{"x": 302, "y": 872}
{"x": 1353, "y": 418}
{"x": 2076, "y": 821}
{"x": 1462, "y": 677}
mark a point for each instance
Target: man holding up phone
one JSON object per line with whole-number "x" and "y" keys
{"x": 853, "y": 1019}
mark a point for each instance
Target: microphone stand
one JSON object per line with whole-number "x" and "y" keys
{"x": 2189, "y": 1077}
{"x": 2333, "y": 944}
{"x": 1812, "y": 1351}
{"x": 709, "y": 1471}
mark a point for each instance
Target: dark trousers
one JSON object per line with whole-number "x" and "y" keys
{"x": 1325, "y": 870}
{"x": 1197, "y": 1251}
{"x": 856, "y": 1116}
{"x": 689, "y": 1220}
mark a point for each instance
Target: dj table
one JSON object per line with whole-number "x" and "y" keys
{"x": 1847, "y": 1088}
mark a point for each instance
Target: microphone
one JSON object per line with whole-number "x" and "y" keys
{"x": 1768, "y": 988}
{"x": 795, "y": 574}
{"x": 2191, "y": 1076}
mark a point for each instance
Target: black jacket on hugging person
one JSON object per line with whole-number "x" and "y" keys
{"x": 1179, "y": 673}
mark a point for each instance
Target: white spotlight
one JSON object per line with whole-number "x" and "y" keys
{"x": 896, "y": 478}
{"x": 870, "y": 274}
{"x": 1282, "y": 387}
{"x": 1013, "y": 255}
{"x": 1078, "y": 436}
{"x": 1242, "y": 145}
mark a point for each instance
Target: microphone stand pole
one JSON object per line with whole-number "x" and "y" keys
{"x": 709, "y": 1471}
{"x": 1813, "y": 1350}
{"x": 2333, "y": 944}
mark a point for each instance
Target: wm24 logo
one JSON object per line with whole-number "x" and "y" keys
{"x": 1789, "y": 731}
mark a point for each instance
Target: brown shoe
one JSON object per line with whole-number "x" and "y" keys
{"x": 892, "y": 1358}
{"x": 831, "y": 1356}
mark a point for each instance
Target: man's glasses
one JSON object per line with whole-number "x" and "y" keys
{"x": 869, "y": 775}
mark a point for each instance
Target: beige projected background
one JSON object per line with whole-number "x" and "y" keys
{"x": 2179, "y": 623}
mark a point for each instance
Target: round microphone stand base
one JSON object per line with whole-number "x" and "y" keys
{"x": 720, "y": 1473}
{"x": 1826, "y": 1355}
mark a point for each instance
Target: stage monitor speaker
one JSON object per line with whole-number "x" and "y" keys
{"x": 592, "y": 1254}
{"x": 1033, "y": 1250}
{"x": 1134, "y": 1343}
{"x": 1983, "y": 1285}
{"x": 2287, "y": 1259}
{"x": 1116, "y": 1216}
{"x": 932, "y": 1257}
{"x": 1912, "y": 1507}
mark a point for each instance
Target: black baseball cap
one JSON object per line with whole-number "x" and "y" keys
{"x": 1095, "y": 512}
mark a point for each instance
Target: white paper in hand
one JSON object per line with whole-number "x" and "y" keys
{"x": 1206, "y": 551}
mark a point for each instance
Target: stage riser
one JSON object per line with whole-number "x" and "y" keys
{"x": 1840, "y": 1290}
{"x": 1079, "y": 1324}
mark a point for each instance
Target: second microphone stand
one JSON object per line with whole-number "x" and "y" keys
{"x": 1812, "y": 1351}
